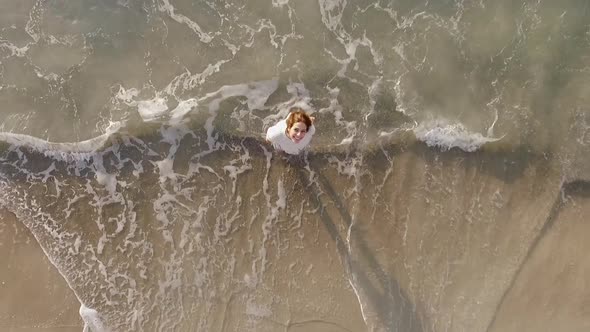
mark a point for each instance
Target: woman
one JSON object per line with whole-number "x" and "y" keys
{"x": 294, "y": 133}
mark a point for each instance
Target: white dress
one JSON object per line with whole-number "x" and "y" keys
{"x": 278, "y": 137}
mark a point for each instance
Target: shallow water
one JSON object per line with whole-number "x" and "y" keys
{"x": 450, "y": 158}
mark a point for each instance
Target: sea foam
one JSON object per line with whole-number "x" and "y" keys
{"x": 92, "y": 321}
{"x": 447, "y": 136}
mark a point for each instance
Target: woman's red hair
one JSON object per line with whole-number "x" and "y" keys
{"x": 298, "y": 115}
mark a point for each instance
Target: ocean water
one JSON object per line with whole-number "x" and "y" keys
{"x": 451, "y": 161}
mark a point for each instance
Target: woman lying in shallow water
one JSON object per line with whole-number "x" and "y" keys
{"x": 294, "y": 133}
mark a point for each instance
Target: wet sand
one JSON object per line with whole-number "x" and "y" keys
{"x": 550, "y": 291}
{"x": 430, "y": 241}
{"x": 33, "y": 295}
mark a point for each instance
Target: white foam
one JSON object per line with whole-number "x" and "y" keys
{"x": 59, "y": 151}
{"x": 107, "y": 180}
{"x": 234, "y": 170}
{"x": 152, "y": 109}
{"x": 92, "y": 321}
{"x": 257, "y": 93}
{"x": 14, "y": 50}
{"x": 279, "y": 3}
{"x": 183, "y": 108}
{"x": 165, "y": 166}
{"x": 282, "y": 195}
{"x": 166, "y": 7}
{"x": 447, "y": 136}
{"x": 127, "y": 95}
{"x": 332, "y": 11}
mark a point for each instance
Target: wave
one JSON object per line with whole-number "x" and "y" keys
{"x": 170, "y": 220}
{"x": 59, "y": 151}
{"x": 447, "y": 136}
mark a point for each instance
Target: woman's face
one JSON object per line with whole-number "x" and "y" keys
{"x": 297, "y": 131}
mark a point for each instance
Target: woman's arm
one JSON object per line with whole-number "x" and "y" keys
{"x": 275, "y": 131}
